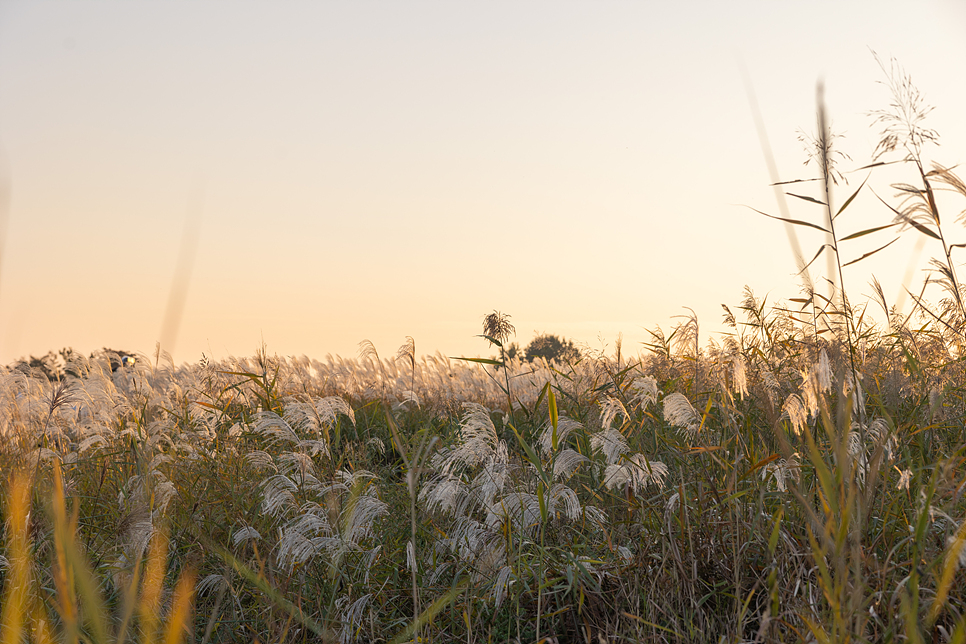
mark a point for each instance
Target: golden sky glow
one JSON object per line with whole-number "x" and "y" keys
{"x": 377, "y": 170}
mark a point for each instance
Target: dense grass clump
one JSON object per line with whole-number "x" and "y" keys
{"x": 750, "y": 491}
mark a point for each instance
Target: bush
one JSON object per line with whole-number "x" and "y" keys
{"x": 550, "y": 347}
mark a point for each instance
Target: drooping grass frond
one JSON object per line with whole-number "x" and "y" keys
{"x": 501, "y": 586}
{"x": 407, "y": 400}
{"x": 274, "y": 428}
{"x": 610, "y": 408}
{"x": 563, "y": 500}
{"x": 644, "y": 391}
{"x": 368, "y": 350}
{"x": 611, "y": 443}
{"x": 565, "y": 427}
{"x": 794, "y": 408}
{"x": 245, "y": 533}
{"x": 636, "y": 472}
{"x": 211, "y": 583}
{"x": 782, "y": 471}
{"x": 352, "y": 619}
{"x": 491, "y": 480}
{"x": 520, "y": 509}
{"x": 359, "y": 517}
{"x": 446, "y": 493}
{"x": 278, "y": 494}
{"x": 261, "y": 460}
{"x": 407, "y": 352}
{"x": 679, "y": 412}
{"x": 410, "y": 556}
{"x": 739, "y": 377}
{"x": 291, "y": 463}
{"x": 566, "y": 463}
{"x": 478, "y": 440}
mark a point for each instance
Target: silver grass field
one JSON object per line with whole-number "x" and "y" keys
{"x": 800, "y": 479}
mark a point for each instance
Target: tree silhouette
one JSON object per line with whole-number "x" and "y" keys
{"x": 551, "y": 348}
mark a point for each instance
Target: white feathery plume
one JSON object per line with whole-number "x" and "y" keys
{"x": 566, "y": 463}
{"x": 611, "y": 442}
{"x": 440, "y": 569}
{"x": 359, "y": 477}
{"x": 879, "y": 432}
{"x": 352, "y": 618}
{"x": 522, "y": 509}
{"x": 278, "y": 493}
{"x": 904, "y": 477}
{"x": 562, "y": 499}
{"x": 794, "y": 408}
{"x": 478, "y": 439}
{"x": 294, "y": 548}
{"x": 261, "y": 460}
{"x": 738, "y": 376}
{"x": 445, "y": 493}
{"x": 644, "y": 391}
{"x": 158, "y": 460}
{"x": 313, "y": 520}
{"x": 823, "y": 372}
{"x": 244, "y": 534}
{"x": 501, "y": 586}
{"x": 491, "y": 480}
{"x": 678, "y": 410}
{"x": 610, "y": 408}
{"x": 565, "y": 427}
{"x": 410, "y": 556}
{"x": 407, "y": 400}
{"x": 858, "y": 397}
{"x": 370, "y": 559}
{"x": 358, "y": 518}
{"x": 274, "y": 427}
{"x": 210, "y": 583}
{"x": 92, "y": 441}
{"x": 782, "y": 470}
{"x": 635, "y": 472}
{"x": 772, "y": 386}
{"x": 314, "y": 447}
{"x": 164, "y": 491}
{"x": 810, "y": 393}
{"x": 292, "y": 462}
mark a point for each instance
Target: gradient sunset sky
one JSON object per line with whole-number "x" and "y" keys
{"x": 330, "y": 172}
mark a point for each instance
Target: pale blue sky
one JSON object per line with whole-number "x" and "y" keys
{"x": 376, "y": 170}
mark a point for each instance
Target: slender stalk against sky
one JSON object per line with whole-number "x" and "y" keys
{"x": 379, "y": 172}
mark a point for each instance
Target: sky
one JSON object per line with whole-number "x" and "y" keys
{"x": 309, "y": 175}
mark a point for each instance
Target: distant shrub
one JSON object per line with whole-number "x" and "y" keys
{"x": 551, "y": 348}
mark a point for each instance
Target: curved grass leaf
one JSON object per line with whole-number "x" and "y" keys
{"x": 870, "y": 253}
{"x": 797, "y": 222}
{"x": 821, "y": 248}
{"x": 868, "y": 231}
{"x": 480, "y": 360}
{"x": 850, "y": 199}
{"x": 806, "y": 198}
